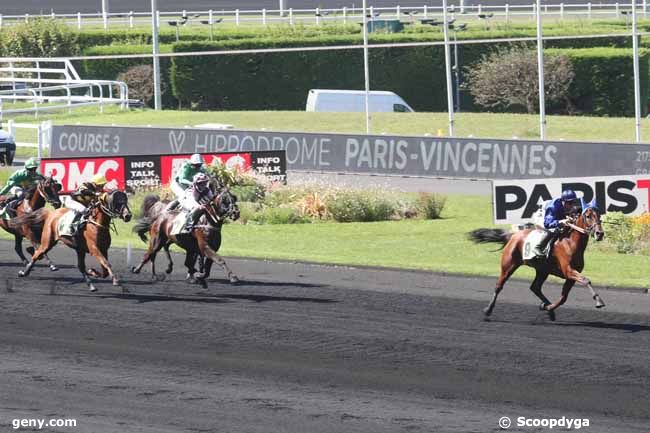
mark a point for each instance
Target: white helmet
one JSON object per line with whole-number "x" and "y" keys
{"x": 201, "y": 181}
{"x": 196, "y": 159}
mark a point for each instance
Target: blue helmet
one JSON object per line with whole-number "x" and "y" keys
{"x": 569, "y": 195}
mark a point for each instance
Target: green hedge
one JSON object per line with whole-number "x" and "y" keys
{"x": 604, "y": 80}
{"x": 280, "y": 81}
{"x": 109, "y": 69}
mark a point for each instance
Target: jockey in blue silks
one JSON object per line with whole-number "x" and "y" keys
{"x": 555, "y": 215}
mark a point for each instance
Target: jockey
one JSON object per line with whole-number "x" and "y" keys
{"x": 20, "y": 181}
{"x": 199, "y": 194}
{"x": 84, "y": 196}
{"x": 555, "y": 216}
{"x": 185, "y": 177}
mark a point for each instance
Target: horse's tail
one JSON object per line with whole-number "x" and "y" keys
{"x": 32, "y": 219}
{"x": 481, "y": 236}
{"x": 143, "y": 225}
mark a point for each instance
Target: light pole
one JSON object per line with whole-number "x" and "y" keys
{"x": 156, "y": 59}
{"x": 456, "y": 68}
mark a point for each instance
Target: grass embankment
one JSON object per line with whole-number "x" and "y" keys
{"x": 433, "y": 245}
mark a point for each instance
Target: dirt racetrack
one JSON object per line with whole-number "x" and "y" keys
{"x": 309, "y": 348}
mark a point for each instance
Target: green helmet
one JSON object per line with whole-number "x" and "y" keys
{"x": 31, "y": 163}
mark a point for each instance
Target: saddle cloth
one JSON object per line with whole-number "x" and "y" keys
{"x": 65, "y": 224}
{"x": 531, "y": 244}
{"x": 178, "y": 226}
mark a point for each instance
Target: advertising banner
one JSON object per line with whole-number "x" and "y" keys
{"x": 475, "y": 158}
{"x": 516, "y": 201}
{"x": 152, "y": 171}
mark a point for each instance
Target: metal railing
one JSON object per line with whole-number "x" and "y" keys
{"x": 34, "y": 85}
{"x": 238, "y": 17}
{"x": 43, "y": 135}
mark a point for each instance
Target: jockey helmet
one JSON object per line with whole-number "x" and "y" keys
{"x": 569, "y": 195}
{"x": 197, "y": 159}
{"x": 99, "y": 179}
{"x": 201, "y": 181}
{"x": 31, "y": 164}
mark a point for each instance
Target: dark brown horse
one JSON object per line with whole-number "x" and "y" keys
{"x": 203, "y": 242}
{"x": 567, "y": 259}
{"x": 45, "y": 191}
{"x": 93, "y": 238}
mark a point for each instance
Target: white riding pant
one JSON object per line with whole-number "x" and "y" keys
{"x": 74, "y": 205}
{"x": 188, "y": 203}
{"x": 17, "y": 191}
{"x": 538, "y": 218}
{"x": 178, "y": 190}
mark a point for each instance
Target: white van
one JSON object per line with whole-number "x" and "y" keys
{"x": 350, "y": 101}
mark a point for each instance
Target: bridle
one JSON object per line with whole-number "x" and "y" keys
{"x": 47, "y": 197}
{"x": 587, "y": 231}
{"x": 211, "y": 210}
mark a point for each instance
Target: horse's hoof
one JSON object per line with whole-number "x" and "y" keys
{"x": 135, "y": 270}
{"x": 234, "y": 280}
{"x": 487, "y": 311}
{"x": 551, "y": 315}
{"x": 53, "y": 268}
{"x": 189, "y": 277}
{"x": 92, "y": 288}
{"x": 21, "y": 273}
{"x": 169, "y": 270}
{"x": 116, "y": 283}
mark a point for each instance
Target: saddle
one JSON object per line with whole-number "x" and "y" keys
{"x": 8, "y": 207}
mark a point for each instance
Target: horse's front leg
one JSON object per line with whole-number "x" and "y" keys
{"x": 210, "y": 254}
{"x": 81, "y": 265}
{"x": 581, "y": 279}
{"x": 170, "y": 262}
{"x": 103, "y": 261}
{"x": 18, "y": 247}
{"x": 566, "y": 288}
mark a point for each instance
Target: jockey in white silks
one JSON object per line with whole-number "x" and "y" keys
{"x": 195, "y": 197}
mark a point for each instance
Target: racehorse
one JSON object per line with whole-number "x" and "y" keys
{"x": 93, "y": 238}
{"x": 45, "y": 191}
{"x": 204, "y": 240}
{"x": 567, "y": 259}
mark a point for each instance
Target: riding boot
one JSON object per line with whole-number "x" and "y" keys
{"x": 193, "y": 219}
{"x": 171, "y": 205}
{"x": 12, "y": 205}
{"x": 544, "y": 242}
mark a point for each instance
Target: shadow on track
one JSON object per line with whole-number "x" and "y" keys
{"x": 628, "y": 327}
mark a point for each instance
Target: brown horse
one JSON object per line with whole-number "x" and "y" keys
{"x": 93, "y": 238}
{"x": 45, "y": 191}
{"x": 566, "y": 261}
{"x": 203, "y": 241}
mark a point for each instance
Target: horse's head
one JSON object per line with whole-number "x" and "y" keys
{"x": 589, "y": 220}
{"x": 224, "y": 206}
{"x": 115, "y": 204}
{"x": 49, "y": 189}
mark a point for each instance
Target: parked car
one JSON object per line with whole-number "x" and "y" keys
{"x": 7, "y": 148}
{"x": 349, "y": 101}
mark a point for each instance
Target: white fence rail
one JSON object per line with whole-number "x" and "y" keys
{"x": 35, "y": 85}
{"x": 43, "y": 135}
{"x": 318, "y": 16}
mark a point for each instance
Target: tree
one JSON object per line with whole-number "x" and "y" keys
{"x": 508, "y": 77}
{"x": 140, "y": 81}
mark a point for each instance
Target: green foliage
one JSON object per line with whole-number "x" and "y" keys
{"x": 361, "y": 206}
{"x": 278, "y": 215}
{"x": 248, "y": 193}
{"x": 619, "y": 232}
{"x": 39, "y": 37}
{"x": 604, "y": 77}
{"x": 429, "y": 205}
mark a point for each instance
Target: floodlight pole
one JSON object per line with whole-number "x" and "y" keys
{"x": 450, "y": 93}
{"x": 156, "y": 59}
{"x": 637, "y": 86}
{"x": 540, "y": 72}
{"x": 105, "y": 12}
{"x": 366, "y": 68}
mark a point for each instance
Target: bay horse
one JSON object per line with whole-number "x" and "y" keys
{"x": 567, "y": 259}
{"x": 203, "y": 242}
{"x": 45, "y": 191}
{"x": 93, "y": 238}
